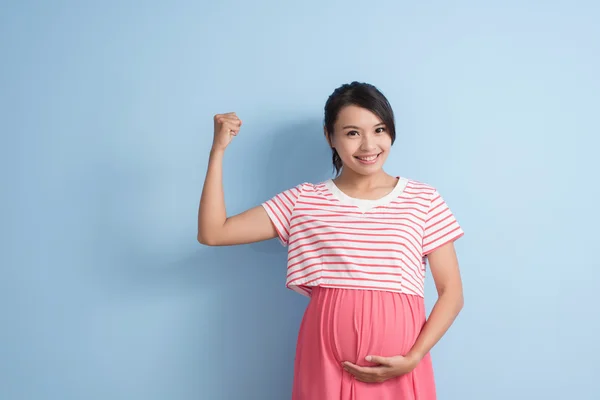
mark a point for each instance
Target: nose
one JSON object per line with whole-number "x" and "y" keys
{"x": 367, "y": 143}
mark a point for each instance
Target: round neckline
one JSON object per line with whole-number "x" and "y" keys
{"x": 366, "y": 204}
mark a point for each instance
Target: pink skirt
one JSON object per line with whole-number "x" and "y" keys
{"x": 347, "y": 325}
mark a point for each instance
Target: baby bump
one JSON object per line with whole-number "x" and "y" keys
{"x": 347, "y": 325}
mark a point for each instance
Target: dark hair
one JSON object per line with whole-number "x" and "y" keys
{"x": 362, "y": 95}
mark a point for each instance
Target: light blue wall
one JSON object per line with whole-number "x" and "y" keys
{"x": 106, "y": 121}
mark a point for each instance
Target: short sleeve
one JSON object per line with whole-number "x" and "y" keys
{"x": 280, "y": 209}
{"x": 441, "y": 226}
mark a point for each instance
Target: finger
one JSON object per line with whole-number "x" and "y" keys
{"x": 359, "y": 367}
{"x": 356, "y": 369}
{"x": 232, "y": 128}
{"x": 352, "y": 366}
{"x": 378, "y": 360}
{"x": 373, "y": 372}
{"x": 357, "y": 374}
{"x": 236, "y": 121}
{"x": 229, "y": 114}
{"x": 365, "y": 377}
{"x": 370, "y": 377}
{"x": 227, "y": 117}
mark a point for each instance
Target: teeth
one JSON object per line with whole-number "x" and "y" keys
{"x": 368, "y": 158}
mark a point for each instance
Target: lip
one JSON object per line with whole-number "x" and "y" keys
{"x": 373, "y": 161}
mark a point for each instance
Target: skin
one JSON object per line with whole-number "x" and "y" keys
{"x": 360, "y": 133}
{"x": 357, "y": 133}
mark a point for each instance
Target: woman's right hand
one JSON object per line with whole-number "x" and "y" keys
{"x": 226, "y": 127}
{"x": 215, "y": 228}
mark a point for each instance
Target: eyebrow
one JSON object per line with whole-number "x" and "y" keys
{"x": 356, "y": 127}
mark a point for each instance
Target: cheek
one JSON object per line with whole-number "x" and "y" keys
{"x": 346, "y": 149}
{"x": 385, "y": 143}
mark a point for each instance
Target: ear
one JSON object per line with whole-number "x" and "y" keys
{"x": 328, "y": 138}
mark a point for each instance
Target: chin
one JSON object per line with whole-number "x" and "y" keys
{"x": 366, "y": 170}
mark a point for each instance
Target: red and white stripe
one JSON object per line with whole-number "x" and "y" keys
{"x": 332, "y": 244}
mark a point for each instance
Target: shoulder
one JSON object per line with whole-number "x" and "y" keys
{"x": 419, "y": 188}
{"x": 311, "y": 187}
{"x": 304, "y": 189}
{"x": 426, "y": 194}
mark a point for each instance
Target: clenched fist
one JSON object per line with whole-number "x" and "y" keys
{"x": 226, "y": 127}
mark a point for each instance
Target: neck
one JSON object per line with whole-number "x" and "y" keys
{"x": 350, "y": 178}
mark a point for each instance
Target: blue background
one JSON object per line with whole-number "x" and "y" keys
{"x": 106, "y": 121}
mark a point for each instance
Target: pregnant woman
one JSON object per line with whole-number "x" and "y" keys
{"x": 358, "y": 246}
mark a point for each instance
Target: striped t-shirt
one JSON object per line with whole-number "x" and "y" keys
{"x": 337, "y": 241}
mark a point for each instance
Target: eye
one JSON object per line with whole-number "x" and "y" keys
{"x": 352, "y": 133}
{"x": 380, "y": 130}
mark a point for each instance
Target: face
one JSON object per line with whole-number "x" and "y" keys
{"x": 361, "y": 140}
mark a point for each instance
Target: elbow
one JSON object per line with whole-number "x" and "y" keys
{"x": 205, "y": 240}
{"x": 204, "y": 235}
{"x": 455, "y": 298}
{"x": 211, "y": 235}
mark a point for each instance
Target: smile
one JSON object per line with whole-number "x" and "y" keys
{"x": 368, "y": 159}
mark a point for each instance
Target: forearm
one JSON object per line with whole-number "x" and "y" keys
{"x": 212, "y": 213}
{"x": 443, "y": 314}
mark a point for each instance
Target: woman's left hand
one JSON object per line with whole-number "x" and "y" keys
{"x": 389, "y": 367}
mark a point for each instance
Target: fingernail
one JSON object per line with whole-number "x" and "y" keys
{"x": 368, "y": 358}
